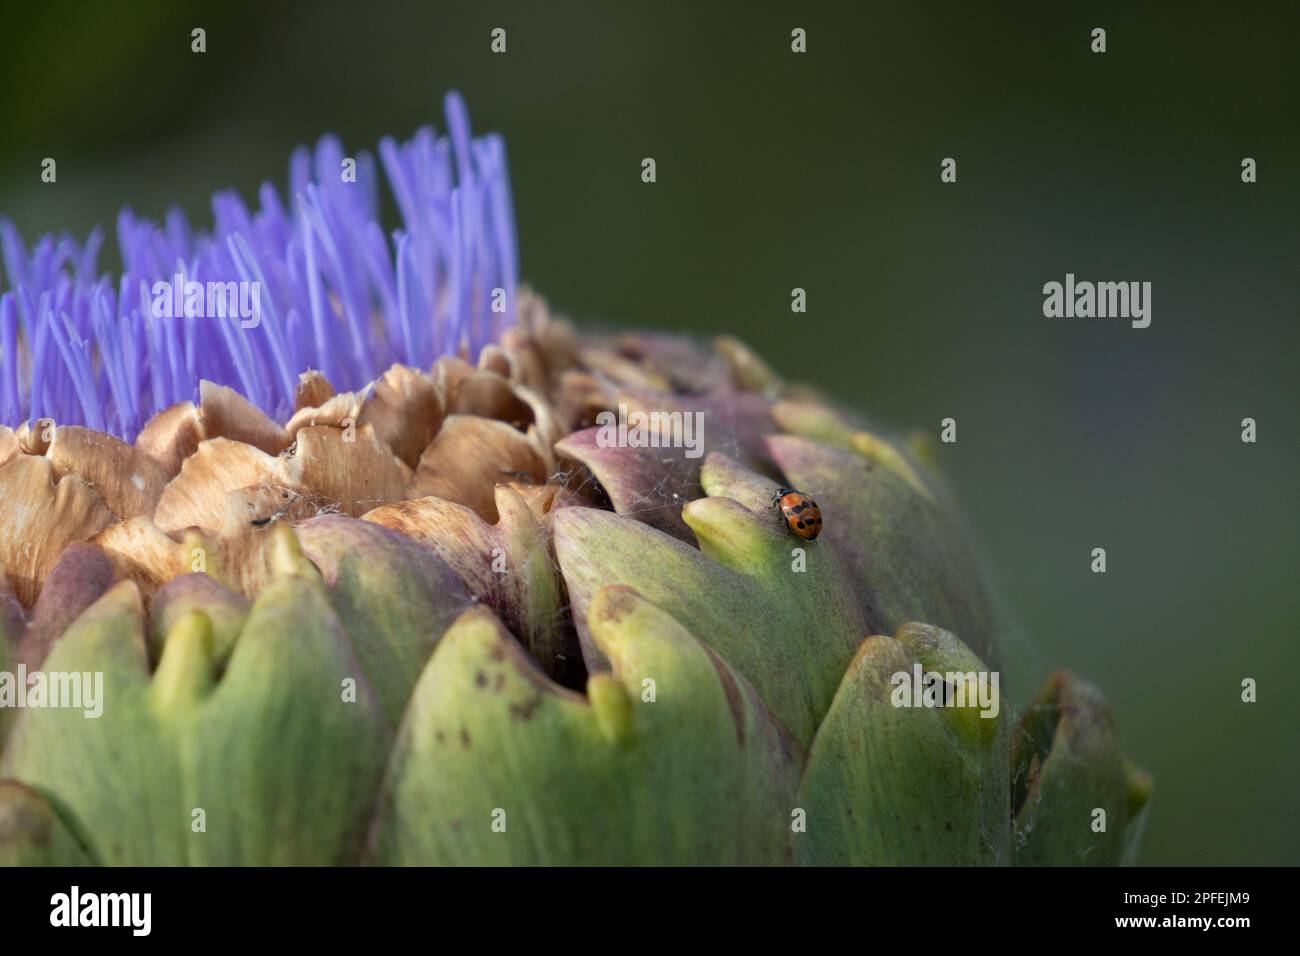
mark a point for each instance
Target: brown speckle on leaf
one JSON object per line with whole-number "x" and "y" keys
{"x": 526, "y": 710}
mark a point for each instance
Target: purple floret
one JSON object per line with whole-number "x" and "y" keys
{"x": 336, "y": 293}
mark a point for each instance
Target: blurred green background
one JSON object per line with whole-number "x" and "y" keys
{"x": 821, "y": 171}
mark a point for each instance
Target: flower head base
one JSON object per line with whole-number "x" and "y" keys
{"x": 328, "y": 289}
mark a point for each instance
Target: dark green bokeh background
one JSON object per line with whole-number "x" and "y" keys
{"x": 822, "y": 171}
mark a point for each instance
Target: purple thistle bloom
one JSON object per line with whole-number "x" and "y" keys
{"x": 333, "y": 292}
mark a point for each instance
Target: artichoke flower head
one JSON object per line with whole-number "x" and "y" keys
{"x": 392, "y": 567}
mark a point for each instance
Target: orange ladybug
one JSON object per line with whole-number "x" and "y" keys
{"x": 799, "y": 511}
